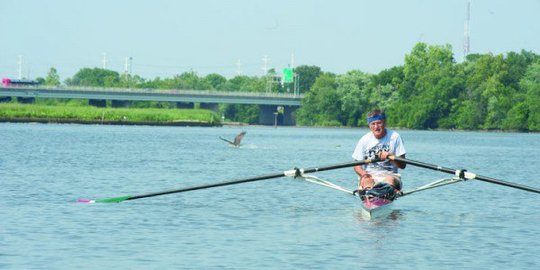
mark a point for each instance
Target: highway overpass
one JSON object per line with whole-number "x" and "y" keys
{"x": 209, "y": 99}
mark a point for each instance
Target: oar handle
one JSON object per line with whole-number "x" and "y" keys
{"x": 464, "y": 174}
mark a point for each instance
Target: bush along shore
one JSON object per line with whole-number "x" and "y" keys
{"x": 14, "y": 112}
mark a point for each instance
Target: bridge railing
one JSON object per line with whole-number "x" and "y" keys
{"x": 164, "y": 91}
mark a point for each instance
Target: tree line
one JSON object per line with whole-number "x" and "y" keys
{"x": 431, "y": 90}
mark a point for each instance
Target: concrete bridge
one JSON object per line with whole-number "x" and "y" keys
{"x": 208, "y": 99}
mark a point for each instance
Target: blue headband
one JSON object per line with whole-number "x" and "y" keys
{"x": 376, "y": 117}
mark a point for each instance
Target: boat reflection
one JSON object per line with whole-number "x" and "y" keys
{"x": 392, "y": 215}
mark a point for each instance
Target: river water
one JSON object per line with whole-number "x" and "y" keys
{"x": 282, "y": 223}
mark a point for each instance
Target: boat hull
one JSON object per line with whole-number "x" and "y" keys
{"x": 376, "y": 207}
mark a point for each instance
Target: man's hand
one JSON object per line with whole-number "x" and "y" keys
{"x": 383, "y": 155}
{"x": 366, "y": 181}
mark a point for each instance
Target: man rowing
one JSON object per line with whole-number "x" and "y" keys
{"x": 379, "y": 142}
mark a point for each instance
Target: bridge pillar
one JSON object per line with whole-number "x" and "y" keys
{"x": 185, "y": 105}
{"x": 266, "y": 114}
{"x": 289, "y": 115}
{"x": 25, "y": 100}
{"x": 210, "y": 106}
{"x": 269, "y": 116}
{"x": 5, "y": 99}
{"x": 97, "y": 102}
{"x": 120, "y": 103}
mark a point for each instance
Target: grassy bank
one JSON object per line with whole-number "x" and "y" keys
{"x": 54, "y": 113}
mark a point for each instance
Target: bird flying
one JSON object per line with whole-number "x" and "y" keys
{"x": 237, "y": 139}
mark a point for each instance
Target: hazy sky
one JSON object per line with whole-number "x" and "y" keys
{"x": 166, "y": 37}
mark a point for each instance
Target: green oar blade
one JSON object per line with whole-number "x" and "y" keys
{"x": 113, "y": 200}
{"x": 108, "y": 200}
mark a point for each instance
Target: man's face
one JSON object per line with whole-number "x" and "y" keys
{"x": 378, "y": 128}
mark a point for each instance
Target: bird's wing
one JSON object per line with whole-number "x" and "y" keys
{"x": 226, "y": 140}
{"x": 239, "y": 138}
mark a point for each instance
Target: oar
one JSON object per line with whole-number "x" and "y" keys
{"x": 293, "y": 172}
{"x": 464, "y": 174}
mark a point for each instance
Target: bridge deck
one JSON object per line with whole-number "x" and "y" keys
{"x": 203, "y": 96}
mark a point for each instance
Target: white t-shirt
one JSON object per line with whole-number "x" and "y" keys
{"x": 368, "y": 146}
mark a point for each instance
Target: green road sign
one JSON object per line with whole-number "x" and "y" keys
{"x": 287, "y": 75}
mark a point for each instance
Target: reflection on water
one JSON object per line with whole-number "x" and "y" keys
{"x": 390, "y": 216}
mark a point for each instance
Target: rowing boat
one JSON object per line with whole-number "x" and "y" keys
{"x": 375, "y": 207}
{"x": 371, "y": 207}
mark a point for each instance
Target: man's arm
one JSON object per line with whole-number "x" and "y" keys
{"x": 359, "y": 169}
{"x": 364, "y": 180}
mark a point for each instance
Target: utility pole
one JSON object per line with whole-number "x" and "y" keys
{"x": 127, "y": 66}
{"x": 238, "y": 68}
{"x": 267, "y": 76}
{"x": 104, "y": 61}
{"x": 265, "y": 66}
{"x": 295, "y": 76}
{"x": 20, "y": 67}
{"x": 127, "y": 69}
{"x": 130, "y": 65}
{"x": 466, "y": 41}
{"x": 296, "y": 84}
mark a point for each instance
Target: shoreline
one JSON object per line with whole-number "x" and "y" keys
{"x": 196, "y": 123}
{"x": 184, "y": 123}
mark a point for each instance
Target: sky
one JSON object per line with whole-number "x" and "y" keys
{"x": 164, "y": 38}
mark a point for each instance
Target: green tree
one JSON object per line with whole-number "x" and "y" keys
{"x": 96, "y": 77}
{"x": 468, "y": 115}
{"x": 516, "y": 119}
{"x": 492, "y": 85}
{"x": 242, "y": 113}
{"x": 272, "y": 82}
{"x": 353, "y": 91}
{"x": 393, "y": 76}
{"x": 384, "y": 91}
{"x": 430, "y": 82}
{"x": 517, "y": 64}
{"x": 52, "y": 78}
{"x": 215, "y": 80}
{"x": 307, "y": 76}
{"x": 499, "y": 102}
{"x": 321, "y": 105}
{"x": 531, "y": 84}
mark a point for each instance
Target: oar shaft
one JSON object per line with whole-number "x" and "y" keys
{"x": 293, "y": 172}
{"x": 508, "y": 184}
{"x": 253, "y": 179}
{"x": 226, "y": 183}
{"x": 467, "y": 175}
